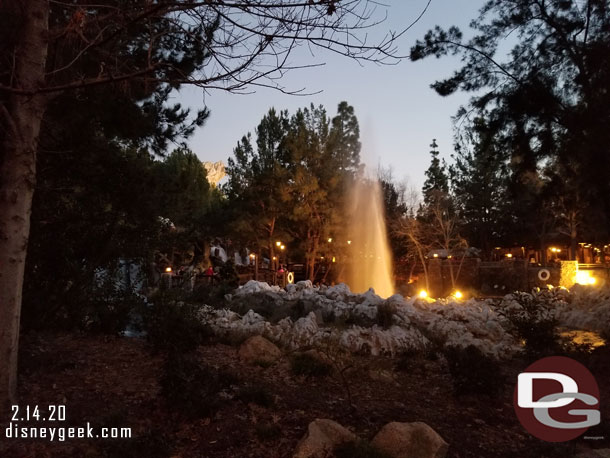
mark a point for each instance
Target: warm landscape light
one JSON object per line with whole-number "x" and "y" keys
{"x": 584, "y": 277}
{"x": 435, "y": 255}
{"x": 278, "y": 243}
{"x": 349, "y": 242}
{"x": 282, "y": 247}
{"x": 168, "y": 269}
{"x": 334, "y": 259}
{"x": 458, "y": 295}
{"x": 330, "y": 239}
{"x": 423, "y": 293}
{"x": 509, "y": 255}
{"x": 252, "y": 256}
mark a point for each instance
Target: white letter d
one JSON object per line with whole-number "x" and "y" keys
{"x": 525, "y": 389}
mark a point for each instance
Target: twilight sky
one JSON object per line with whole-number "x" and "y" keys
{"x": 399, "y": 113}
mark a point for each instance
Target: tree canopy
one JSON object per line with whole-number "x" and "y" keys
{"x": 545, "y": 106}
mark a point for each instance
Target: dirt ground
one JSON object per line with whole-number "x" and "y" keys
{"x": 114, "y": 382}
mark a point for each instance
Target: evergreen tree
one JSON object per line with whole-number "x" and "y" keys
{"x": 479, "y": 186}
{"x": 437, "y": 180}
{"x": 257, "y": 186}
{"x": 546, "y": 104}
{"x": 435, "y": 191}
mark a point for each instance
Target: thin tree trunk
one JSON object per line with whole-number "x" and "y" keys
{"x": 22, "y": 115}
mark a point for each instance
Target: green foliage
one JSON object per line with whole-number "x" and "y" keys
{"x": 543, "y": 101}
{"x": 437, "y": 180}
{"x": 479, "y": 184}
{"x": 358, "y": 449}
{"x": 173, "y": 325}
{"x": 184, "y": 184}
{"x": 532, "y": 320}
{"x": 309, "y": 365}
{"x": 111, "y": 314}
{"x": 192, "y": 388}
{"x": 290, "y": 183}
{"x": 473, "y": 372}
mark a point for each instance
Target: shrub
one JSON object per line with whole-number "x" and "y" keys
{"x": 532, "y": 320}
{"x": 358, "y": 449}
{"x": 175, "y": 326}
{"x": 310, "y": 366}
{"x": 193, "y": 388}
{"x": 213, "y": 295}
{"x": 111, "y": 314}
{"x": 473, "y": 372}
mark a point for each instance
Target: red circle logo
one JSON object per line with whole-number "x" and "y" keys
{"x": 556, "y": 399}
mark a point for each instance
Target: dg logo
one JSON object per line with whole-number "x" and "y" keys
{"x": 557, "y": 399}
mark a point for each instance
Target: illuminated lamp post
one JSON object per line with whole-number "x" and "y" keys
{"x": 254, "y": 258}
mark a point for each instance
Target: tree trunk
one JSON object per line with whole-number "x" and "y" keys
{"x": 22, "y": 118}
{"x": 311, "y": 257}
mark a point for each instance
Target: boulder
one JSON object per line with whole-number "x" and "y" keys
{"x": 258, "y": 349}
{"x": 322, "y": 437}
{"x": 409, "y": 440}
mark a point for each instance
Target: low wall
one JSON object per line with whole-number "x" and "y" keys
{"x": 495, "y": 278}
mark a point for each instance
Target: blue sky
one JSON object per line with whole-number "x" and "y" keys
{"x": 399, "y": 113}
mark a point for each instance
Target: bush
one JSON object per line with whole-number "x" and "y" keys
{"x": 213, "y": 295}
{"x": 193, "y": 388}
{"x": 111, "y": 314}
{"x": 358, "y": 449}
{"x": 175, "y": 326}
{"x": 308, "y": 365}
{"x": 532, "y": 320}
{"x": 473, "y": 372}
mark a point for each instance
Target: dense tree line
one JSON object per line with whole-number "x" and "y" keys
{"x": 532, "y": 156}
{"x": 289, "y": 183}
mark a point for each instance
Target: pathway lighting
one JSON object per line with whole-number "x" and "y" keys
{"x": 584, "y": 277}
